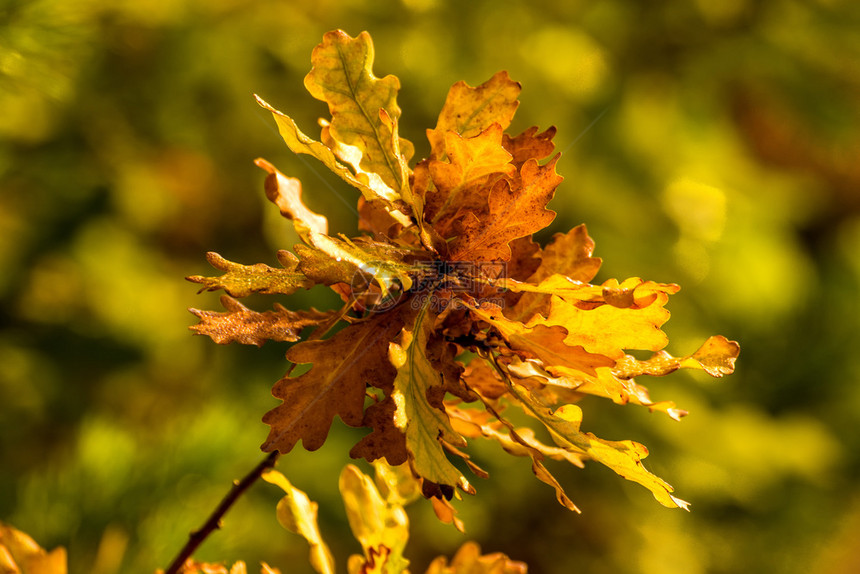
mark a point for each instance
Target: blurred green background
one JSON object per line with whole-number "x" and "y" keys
{"x": 715, "y": 145}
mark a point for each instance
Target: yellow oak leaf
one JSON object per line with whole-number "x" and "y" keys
{"x": 423, "y": 423}
{"x": 545, "y": 343}
{"x": 461, "y": 181}
{"x": 469, "y": 560}
{"x": 468, "y": 111}
{"x": 242, "y": 280}
{"x": 624, "y": 457}
{"x": 19, "y": 553}
{"x": 363, "y": 107}
{"x": 380, "y": 525}
{"x": 298, "y": 514}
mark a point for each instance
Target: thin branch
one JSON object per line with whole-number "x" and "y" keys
{"x": 212, "y": 523}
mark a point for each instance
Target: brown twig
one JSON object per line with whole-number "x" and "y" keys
{"x": 212, "y": 523}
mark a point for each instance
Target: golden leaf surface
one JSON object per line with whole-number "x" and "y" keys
{"x": 380, "y": 525}
{"x": 19, "y": 553}
{"x": 298, "y": 514}
{"x": 468, "y": 111}
{"x": 286, "y": 193}
{"x": 469, "y": 560}
{"x": 363, "y": 107}
{"x": 242, "y": 280}
{"x": 423, "y": 422}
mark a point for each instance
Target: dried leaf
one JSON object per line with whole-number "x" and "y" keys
{"x": 624, "y": 457}
{"x": 242, "y": 280}
{"x": 542, "y": 342}
{"x": 514, "y": 211}
{"x": 342, "y": 366}
{"x": 716, "y": 357}
{"x": 468, "y": 111}
{"x": 298, "y": 142}
{"x": 242, "y": 325}
{"x": 298, "y": 514}
{"x": 472, "y": 165}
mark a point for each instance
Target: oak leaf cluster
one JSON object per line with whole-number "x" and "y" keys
{"x": 453, "y": 317}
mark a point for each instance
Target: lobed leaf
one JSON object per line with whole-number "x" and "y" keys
{"x": 242, "y": 280}
{"x": 469, "y": 560}
{"x": 624, "y": 457}
{"x": 363, "y": 107}
{"x": 423, "y": 423}
{"x": 286, "y": 193}
{"x": 515, "y": 211}
{"x": 381, "y": 526}
{"x": 468, "y": 111}
{"x": 545, "y": 343}
{"x": 242, "y": 325}
{"x": 335, "y": 385}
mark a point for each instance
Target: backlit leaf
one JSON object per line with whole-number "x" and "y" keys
{"x": 381, "y": 526}
{"x": 468, "y": 111}
{"x": 298, "y": 514}
{"x": 20, "y": 553}
{"x": 363, "y": 107}
{"x": 242, "y": 280}
{"x": 286, "y": 193}
{"x": 423, "y": 423}
{"x": 469, "y": 560}
{"x": 515, "y": 211}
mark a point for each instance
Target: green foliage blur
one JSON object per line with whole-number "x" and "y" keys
{"x": 712, "y": 144}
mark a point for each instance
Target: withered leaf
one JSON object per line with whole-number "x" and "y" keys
{"x": 460, "y": 182}
{"x": 529, "y": 145}
{"x": 515, "y": 211}
{"x": 298, "y": 514}
{"x": 624, "y": 457}
{"x": 242, "y": 280}
{"x": 242, "y": 325}
{"x": 335, "y": 385}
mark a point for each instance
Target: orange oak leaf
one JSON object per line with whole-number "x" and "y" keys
{"x": 242, "y": 325}
{"x": 473, "y": 164}
{"x": 335, "y": 385}
{"x": 529, "y": 145}
{"x": 468, "y": 111}
{"x": 514, "y": 211}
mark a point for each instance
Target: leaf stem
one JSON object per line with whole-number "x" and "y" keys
{"x": 196, "y": 538}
